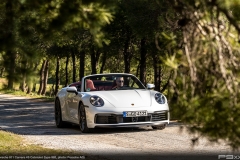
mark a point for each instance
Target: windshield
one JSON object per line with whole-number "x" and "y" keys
{"x": 112, "y": 82}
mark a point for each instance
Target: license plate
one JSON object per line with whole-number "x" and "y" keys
{"x": 134, "y": 113}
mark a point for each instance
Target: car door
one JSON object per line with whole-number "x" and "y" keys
{"x": 72, "y": 101}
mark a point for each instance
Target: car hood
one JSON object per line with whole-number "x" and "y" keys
{"x": 127, "y": 98}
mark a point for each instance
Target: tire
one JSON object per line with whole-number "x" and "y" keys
{"x": 83, "y": 119}
{"x": 58, "y": 115}
{"x": 159, "y": 127}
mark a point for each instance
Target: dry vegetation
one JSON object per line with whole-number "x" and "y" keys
{"x": 12, "y": 144}
{"x": 3, "y": 82}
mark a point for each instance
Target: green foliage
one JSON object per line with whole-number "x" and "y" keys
{"x": 204, "y": 88}
{"x": 49, "y": 17}
{"x": 28, "y": 26}
{"x": 144, "y": 12}
{"x": 211, "y": 114}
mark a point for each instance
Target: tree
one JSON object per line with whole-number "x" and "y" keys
{"x": 8, "y": 35}
{"x": 82, "y": 64}
{"x": 42, "y": 77}
{"x": 142, "y": 18}
{"x": 73, "y": 54}
{"x": 48, "y": 18}
{"x": 45, "y": 77}
{"x": 57, "y": 78}
{"x": 206, "y": 69}
{"x": 95, "y": 55}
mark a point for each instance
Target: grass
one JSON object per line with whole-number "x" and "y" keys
{"x": 13, "y": 145}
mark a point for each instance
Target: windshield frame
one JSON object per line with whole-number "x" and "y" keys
{"x": 94, "y": 77}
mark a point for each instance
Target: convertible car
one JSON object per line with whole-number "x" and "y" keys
{"x": 111, "y": 100}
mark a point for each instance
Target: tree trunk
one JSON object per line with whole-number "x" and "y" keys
{"x": 30, "y": 82}
{"x": 137, "y": 72}
{"x": 94, "y": 59}
{"x": 66, "y": 70}
{"x": 1, "y": 72}
{"x": 34, "y": 83}
{"x": 82, "y": 65}
{"x": 104, "y": 58}
{"x": 157, "y": 72}
{"x": 127, "y": 55}
{"x": 10, "y": 65}
{"x": 23, "y": 83}
{"x": 29, "y": 89}
{"x": 34, "y": 87}
{"x": 8, "y": 41}
{"x": 29, "y": 85}
{"x": 42, "y": 77}
{"x": 73, "y": 65}
{"x": 143, "y": 54}
{"x": 57, "y": 76}
{"x": 45, "y": 78}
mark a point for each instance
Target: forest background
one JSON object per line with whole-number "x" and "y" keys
{"x": 188, "y": 49}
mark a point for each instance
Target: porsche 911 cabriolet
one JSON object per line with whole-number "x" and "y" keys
{"x": 111, "y": 100}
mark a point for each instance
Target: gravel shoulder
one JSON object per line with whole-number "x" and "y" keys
{"x": 34, "y": 120}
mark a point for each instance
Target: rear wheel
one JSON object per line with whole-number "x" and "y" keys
{"x": 83, "y": 119}
{"x": 159, "y": 127}
{"x": 58, "y": 115}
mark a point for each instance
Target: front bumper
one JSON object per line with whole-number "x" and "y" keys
{"x": 130, "y": 124}
{"x": 108, "y": 120}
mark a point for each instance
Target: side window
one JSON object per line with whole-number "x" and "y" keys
{"x": 132, "y": 83}
{"x": 135, "y": 83}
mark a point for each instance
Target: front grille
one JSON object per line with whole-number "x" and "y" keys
{"x": 113, "y": 119}
{"x": 138, "y": 119}
{"x": 160, "y": 116}
{"x": 105, "y": 119}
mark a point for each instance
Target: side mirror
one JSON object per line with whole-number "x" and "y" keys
{"x": 150, "y": 86}
{"x": 72, "y": 90}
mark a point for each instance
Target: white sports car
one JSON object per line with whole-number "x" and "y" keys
{"x": 111, "y": 100}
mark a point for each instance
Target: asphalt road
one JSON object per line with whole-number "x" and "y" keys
{"x": 34, "y": 120}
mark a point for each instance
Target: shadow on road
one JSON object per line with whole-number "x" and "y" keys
{"x": 34, "y": 117}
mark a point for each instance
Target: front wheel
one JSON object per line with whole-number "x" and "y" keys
{"x": 159, "y": 127}
{"x": 83, "y": 119}
{"x": 58, "y": 115}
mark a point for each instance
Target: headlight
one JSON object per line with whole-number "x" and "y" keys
{"x": 96, "y": 101}
{"x": 160, "y": 98}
